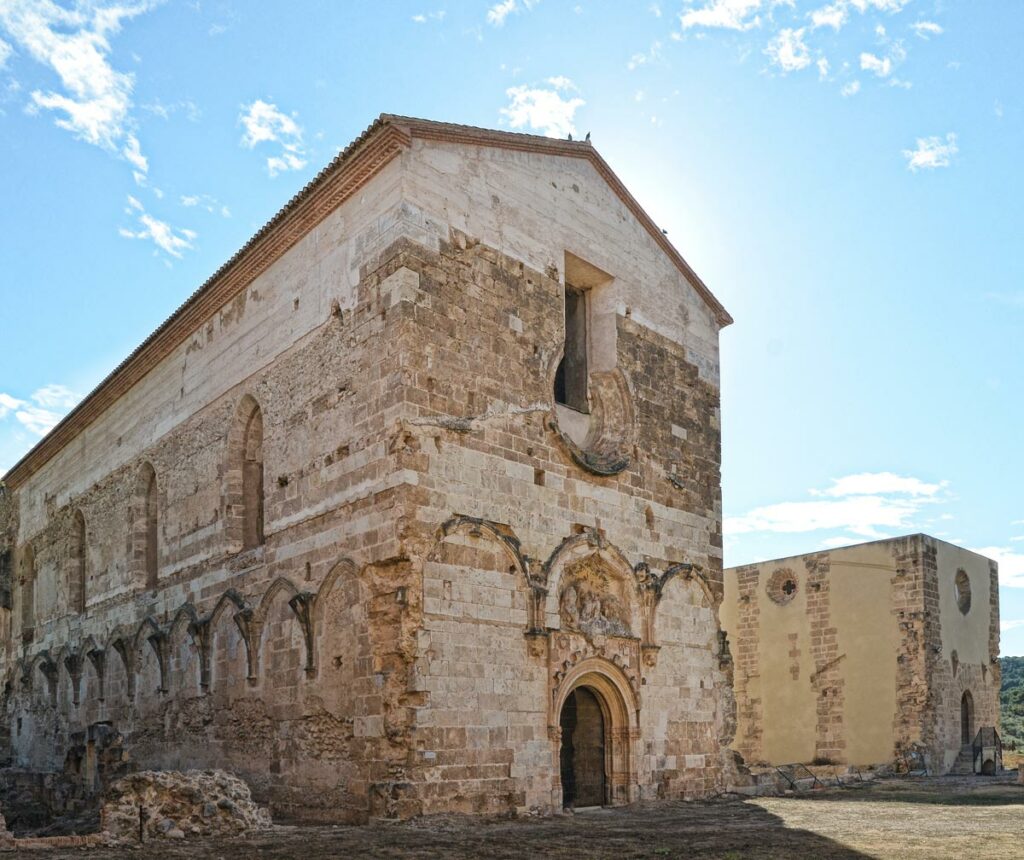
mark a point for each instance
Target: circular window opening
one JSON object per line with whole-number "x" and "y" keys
{"x": 962, "y": 590}
{"x": 782, "y": 586}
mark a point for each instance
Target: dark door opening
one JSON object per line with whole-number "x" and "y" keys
{"x": 966, "y": 718}
{"x": 582, "y": 756}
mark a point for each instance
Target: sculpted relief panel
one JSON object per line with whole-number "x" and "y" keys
{"x": 592, "y": 603}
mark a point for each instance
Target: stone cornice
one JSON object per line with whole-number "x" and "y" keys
{"x": 350, "y": 170}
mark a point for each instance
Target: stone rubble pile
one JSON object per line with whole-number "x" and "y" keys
{"x": 173, "y": 805}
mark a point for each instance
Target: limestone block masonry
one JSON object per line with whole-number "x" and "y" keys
{"x": 328, "y": 530}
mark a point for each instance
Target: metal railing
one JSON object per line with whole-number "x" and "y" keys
{"x": 987, "y": 740}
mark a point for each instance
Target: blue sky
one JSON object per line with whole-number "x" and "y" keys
{"x": 845, "y": 176}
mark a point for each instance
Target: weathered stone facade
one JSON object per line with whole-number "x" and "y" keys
{"x": 332, "y": 534}
{"x": 891, "y": 654}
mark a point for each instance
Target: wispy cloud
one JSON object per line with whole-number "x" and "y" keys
{"x": 264, "y": 123}
{"x": 926, "y": 29}
{"x": 497, "y": 14}
{"x": 5, "y": 53}
{"x": 789, "y": 52}
{"x": 862, "y": 504}
{"x": 931, "y": 152}
{"x": 724, "y": 14}
{"x": 642, "y": 59}
{"x": 205, "y": 201}
{"x": 171, "y": 241}
{"x": 1010, "y": 624}
{"x": 543, "y": 109}
{"x": 165, "y": 111}
{"x": 880, "y": 483}
{"x": 423, "y": 17}
{"x": 95, "y": 100}
{"x": 42, "y": 410}
{"x": 850, "y": 89}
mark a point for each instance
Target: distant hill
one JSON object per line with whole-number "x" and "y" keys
{"x": 1011, "y": 701}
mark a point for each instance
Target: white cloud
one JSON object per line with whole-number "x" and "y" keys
{"x": 49, "y": 404}
{"x": 834, "y": 16}
{"x": 822, "y": 68}
{"x": 134, "y": 156}
{"x": 926, "y": 29}
{"x": 931, "y": 153}
{"x": 541, "y": 109}
{"x": 95, "y": 101}
{"x": 497, "y": 14}
{"x": 1011, "y": 564}
{"x": 862, "y": 504}
{"x": 166, "y": 238}
{"x": 851, "y": 89}
{"x": 891, "y": 6}
{"x": 879, "y": 483}
{"x": 56, "y": 396}
{"x": 788, "y": 51}
{"x": 877, "y": 65}
{"x": 727, "y": 14}
{"x": 264, "y": 123}
{"x": 37, "y": 420}
{"x": 8, "y": 403}
{"x": 1010, "y": 624}
{"x": 5, "y": 53}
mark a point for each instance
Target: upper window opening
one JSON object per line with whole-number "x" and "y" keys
{"x": 571, "y": 376}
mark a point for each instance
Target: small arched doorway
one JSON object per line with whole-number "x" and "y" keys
{"x": 582, "y": 757}
{"x": 966, "y": 718}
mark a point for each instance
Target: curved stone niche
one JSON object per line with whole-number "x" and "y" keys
{"x": 600, "y": 442}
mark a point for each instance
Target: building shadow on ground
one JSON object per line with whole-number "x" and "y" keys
{"x": 980, "y": 791}
{"x": 729, "y": 830}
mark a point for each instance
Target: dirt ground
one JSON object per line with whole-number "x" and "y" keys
{"x": 929, "y": 818}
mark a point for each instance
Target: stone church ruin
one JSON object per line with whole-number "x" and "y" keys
{"x": 413, "y": 507}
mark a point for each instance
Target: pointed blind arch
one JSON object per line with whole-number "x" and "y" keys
{"x": 244, "y": 488}
{"x": 145, "y": 537}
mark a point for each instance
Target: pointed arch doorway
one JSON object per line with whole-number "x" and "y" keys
{"x": 966, "y": 718}
{"x": 595, "y": 727}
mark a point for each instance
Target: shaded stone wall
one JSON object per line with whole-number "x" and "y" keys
{"x": 963, "y": 647}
